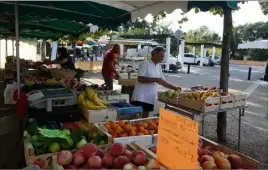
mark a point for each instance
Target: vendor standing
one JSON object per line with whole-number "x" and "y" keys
{"x": 149, "y": 76}
{"x": 108, "y": 66}
{"x": 64, "y": 59}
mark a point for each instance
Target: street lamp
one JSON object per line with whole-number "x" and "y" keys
{"x": 195, "y": 42}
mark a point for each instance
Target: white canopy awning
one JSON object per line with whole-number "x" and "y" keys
{"x": 261, "y": 44}
{"x": 143, "y": 8}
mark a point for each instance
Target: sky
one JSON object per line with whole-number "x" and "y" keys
{"x": 250, "y": 12}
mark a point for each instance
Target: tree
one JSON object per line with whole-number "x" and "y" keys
{"x": 264, "y": 6}
{"x": 202, "y": 35}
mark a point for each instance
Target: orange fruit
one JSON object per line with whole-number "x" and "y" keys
{"x": 139, "y": 134}
{"x": 127, "y": 128}
{"x": 114, "y": 126}
{"x": 107, "y": 126}
{"x": 114, "y": 135}
{"x": 140, "y": 128}
{"x": 138, "y": 124}
{"x": 145, "y": 125}
{"x": 121, "y": 123}
{"x": 150, "y": 126}
{"x": 123, "y": 135}
{"x": 132, "y": 133}
{"x": 146, "y": 132}
{"x": 119, "y": 130}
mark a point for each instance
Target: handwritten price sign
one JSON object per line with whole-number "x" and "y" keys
{"x": 177, "y": 142}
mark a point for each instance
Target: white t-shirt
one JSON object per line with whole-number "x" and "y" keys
{"x": 147, "y": 92}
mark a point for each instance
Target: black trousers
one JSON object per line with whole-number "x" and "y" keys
{"x": 108, "y": 82}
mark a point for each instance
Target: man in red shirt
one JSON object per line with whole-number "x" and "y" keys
{"x": 108, "y": 66}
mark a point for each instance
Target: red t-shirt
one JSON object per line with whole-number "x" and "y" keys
{"x": 109, "y": 57}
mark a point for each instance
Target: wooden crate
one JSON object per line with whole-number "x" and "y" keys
{"x": 210, "y": 104}
{"x": 127, "y": 82}
{"x": 240, "y": 99}
{"x": 169, "y": 100}
{"x": 143, "y": 140}
{"x": 246, "y": 161}
{"x": 30, "y": 156}
{"x": 96, "y": 116}
{"x": 227, "y": 101}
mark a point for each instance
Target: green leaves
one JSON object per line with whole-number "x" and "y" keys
{"x": 264, "y": 6}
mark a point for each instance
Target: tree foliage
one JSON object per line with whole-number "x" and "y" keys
{"x": 264, "y": 6}
{"x": 249, "y": 32}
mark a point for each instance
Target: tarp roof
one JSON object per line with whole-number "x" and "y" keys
{"x": 260, "y": 44}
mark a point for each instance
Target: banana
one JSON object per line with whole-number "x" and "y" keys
{"x": 104, "y": 102}
{"x": 96, "y": 100}
{"x": 81, "y": 97}
{"x": 89, "y": 105}
{"x": 89, "y": 93}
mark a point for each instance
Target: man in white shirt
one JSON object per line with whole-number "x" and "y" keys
{"x": 149, "y": 76}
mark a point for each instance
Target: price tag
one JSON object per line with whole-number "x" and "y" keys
{"x": 177, "y": 142}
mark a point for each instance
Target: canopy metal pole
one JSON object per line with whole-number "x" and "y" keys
{"x": 13, "y": 49}
{"x": 6, "y": 48}
{"x": 17, "y": 46}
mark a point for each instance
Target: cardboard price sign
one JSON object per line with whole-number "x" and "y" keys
{"x": 177, "y": 142}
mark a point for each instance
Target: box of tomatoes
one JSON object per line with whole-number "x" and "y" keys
{"x": 141, "y": 131}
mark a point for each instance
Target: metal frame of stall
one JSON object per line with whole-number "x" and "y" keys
{"x": 192, "y": 113}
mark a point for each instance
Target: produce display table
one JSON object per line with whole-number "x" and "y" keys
{"x": 191, "y": 113}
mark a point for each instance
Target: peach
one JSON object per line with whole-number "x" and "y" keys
{"x": 108, "y": 160}
{"x": 70, "y": 167}
{"x": 153, "y": 150}
{"x": 235, "y": 161}
{"x": 100, "y": 152}
{"x": 65, "y": 157}
{"x": 138, "y": 124}
{"x": 94, "y": 162}
{"x": 127, "y": 153}
{"x": 209, "y": 165}
{"x": 204, "y": 152}
{"x": 89, "y": 150}
{"x": 117, "y": 149}
{"x": 121, "y": 123}
{"x": 129, "y": 166}
{"x": 222, "y": 163}
{"x": 127, "y": 128}
{"x": 218, "y": 154}
{"x": 206, "y": 158}
{"x": 138, "y": 157}
{"x": 152, "y": 164}
{"x": 120, "y": 162}
{"x": 78, "y": 158}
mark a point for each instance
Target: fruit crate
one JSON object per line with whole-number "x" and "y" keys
{"x": 144, "y": 140}
{"x": 30, "y": 156}
{"x": 210, "y": 104}
{"x": 227, "y": 101}
{"x": 169, "y": 100}
{"x": 240, "y": 99}
{"x": 127, "y": 82}
{"x": 96, "y": 116}
{"x": 131, "y": 147}
{"x": 247, "y": 162}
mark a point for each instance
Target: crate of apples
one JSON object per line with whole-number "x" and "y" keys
{"x": 113, "y": 157}
{"x": 214, "y": 156}
{"x": 139, "y": 130}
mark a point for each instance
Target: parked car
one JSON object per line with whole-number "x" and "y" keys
{"x": 190, "y": 58}
{"x": 216, "y": 60}
{"x": 174, "y": 64}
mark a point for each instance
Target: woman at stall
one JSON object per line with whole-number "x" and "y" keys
{"x": 64, "y": 59}
{"x": 149, "y": 76}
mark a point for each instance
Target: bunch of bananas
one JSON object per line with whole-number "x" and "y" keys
{"x": 91, "y": 101}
